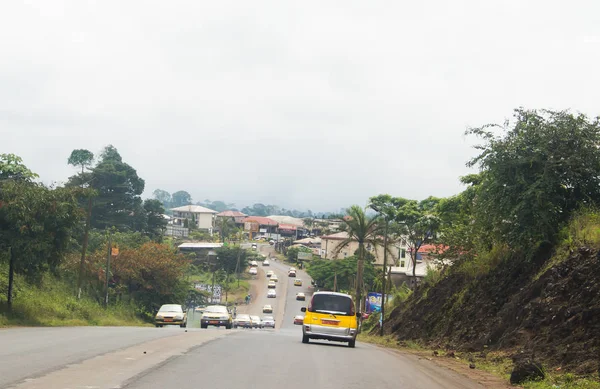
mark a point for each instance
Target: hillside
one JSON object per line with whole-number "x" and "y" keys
{"x": 546, "y": 307}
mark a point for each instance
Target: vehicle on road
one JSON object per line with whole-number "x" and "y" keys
{"x": 254, "y": 246}
{"x": 271, "y": 242}
{"x": 297, "y": 282}
{"x": 170, "y": 314}
{"x": 267, "y": 309}
{"x": 253, "y": 264}
{"x": 271, "y": 285}
{"x": 266, "y": 262}
{"x": 216, "y": 315}
{"x": 300, "y": 296}
{"x": 292, "y": 273}
{"x": 256, "y": 323}
{"x": 292, "y": 269}
{"x": 242, "y": 320}
{"x": 268, "y": 322}
{"x": 274, "y": 278}
{"x": 299, "y": 320}
{"x": 330, "y": 316}
{"x": 253, "y": 271}
{"x": 270, "y": 273}
{"x": 271, "y": 293}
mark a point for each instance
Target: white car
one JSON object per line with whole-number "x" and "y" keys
{"x": 271, "y": 285}
{"x": 270, "y": 273}
{"x": 253, "y": 271}
{"x": 271, "y": 293}
{"x": 267, "y": 309}
{"x": 292, "y": 269}
{"x": 256, "y": 323}
{"x": 300, "y": 296}
{"x": 274, "y": 278}
{"x": 254, "y": 246}
{"x": 268, "y": 321}
{"x": 266, "y": 262}
{"x": 253, "y": 264}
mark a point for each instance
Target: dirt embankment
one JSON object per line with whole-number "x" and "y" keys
{"x": 553, "y": 316}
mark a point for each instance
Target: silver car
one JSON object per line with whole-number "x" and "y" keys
{"x": 268, "y": 322}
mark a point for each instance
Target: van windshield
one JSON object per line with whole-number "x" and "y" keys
{"x": 337, "y": 305}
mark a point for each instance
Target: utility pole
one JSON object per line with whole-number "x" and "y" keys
{"x": 108, "y": 254}
{"x": 335, "y": 282}
{"x": 84, "y": 248}
{"x": 384, "y": 278}
{"x": 11, "y": 279}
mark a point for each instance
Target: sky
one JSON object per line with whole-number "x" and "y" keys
{"x": 306, "y": 104}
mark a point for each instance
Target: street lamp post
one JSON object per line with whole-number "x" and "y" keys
{"x": 383, "y": 278}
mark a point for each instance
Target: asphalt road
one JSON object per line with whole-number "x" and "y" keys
{"x": 88, "y": 357}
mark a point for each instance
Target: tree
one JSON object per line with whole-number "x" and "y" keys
{"x": 228, "y": 258}
{"x": 225, "y": 226}
{"x": 81, "y": 158}
{"x": 163, "y": 196}
{"x": 418, "y": 222}
{"x": 218, "y": 205}
{"x": 36, "y": 223}
{"x": 12, "y": 167}
{"x": 156, "y": 223}
{"x": 119, "y": 188}
{"x": 309, "y": 223}
{"x": 364, "y": 230}
{"x": 181, "y": 198}
{"x": 340, "y": 273}
{"x": 542, "y": 168}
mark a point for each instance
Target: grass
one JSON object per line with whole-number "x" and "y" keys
{"x": 52, "y": 303}
{"x": 497, "y": 363}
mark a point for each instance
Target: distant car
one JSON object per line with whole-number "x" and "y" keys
{"x": 300, "y": 296}
{"x": 297, "y": 282}
{"x": 170, "y": 314}
{"x": 253, "y": 264}
{"x": 266, "y": 262}
{"x": 216, "y": 315}
{"x": 271, "y": 293}
{"x": 268, "y": 321}
{"x": 270, "y": 273}
{"x": 256, "y": 323}
{"x": 292, "y": 273}
{"x": 267, "y": 309}
{"x": 254, "y": 246}
{"x": 274, "y": 278}
{"x": 271, "y": 285}
{"x": 271, "y": 242}
{"x": 299, "y": 320}
{"x": 242, "y": 320}
{"x": 253, "y": 271}
{"x": 292, "y": 269}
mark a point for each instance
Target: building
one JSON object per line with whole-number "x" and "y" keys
{"x": 203, "y": 251}
{"x": 201, "y": 216}
{"x": 236, "y": 216}
{"x": 329, "y": 244}
{"x": 260, "y": 226}
{"x": 426, "y": 259}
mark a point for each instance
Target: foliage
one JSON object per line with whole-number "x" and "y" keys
{"x": 180, "y": 198}
{"x": 155, "y": 222}
{"x": 292, "y": 253}
{"x": 81, "y": 158}
{"x": 36, "y": 222}
{"x": 228, "y": 258}
{"x": 163, "y": 196}
{"x": 324, "y": 271}
{"x": 544, "y": 167}
{"x": 217, "y": 205}
{"x": 226, "y": 227}
{"x": 12, "y": 167}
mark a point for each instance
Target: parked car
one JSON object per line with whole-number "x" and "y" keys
{"x": 170, "y": 314}
{"x": 271, "y": 293}
{"x": 256, "y": 323}
{"x": 216, "y": 315}
{"x": 254, "y": 246}
{"x": 299, "y": 320}
{"x": 268, "y": 321}
{"x": 242, "y": 320}
{"x": 271, "y": 242}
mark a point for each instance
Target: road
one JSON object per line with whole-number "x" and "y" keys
{"x": 88, "y": 357}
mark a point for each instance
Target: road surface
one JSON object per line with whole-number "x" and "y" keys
{"x": 88, "y": 357}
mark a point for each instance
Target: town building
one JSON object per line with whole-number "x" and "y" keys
{"x": 201, "y": 216}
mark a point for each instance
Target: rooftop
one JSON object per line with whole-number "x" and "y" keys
{"x": 263, "y": 221}
{"x": 287, "y": 220}
{"x": 193, "y": 209}
{"x": 338, "y": 235}
{"x": 231, "y": 214}
{"x": 200, "y": 245}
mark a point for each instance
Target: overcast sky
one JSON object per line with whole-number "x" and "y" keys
{"x": 305, "y": 104}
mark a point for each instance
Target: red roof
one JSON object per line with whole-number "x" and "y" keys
{"x": 290, "y": 227}
{"x": 231, "y": 214}
{"x": 263, "y": 221}
{"x": 432, "y": 248}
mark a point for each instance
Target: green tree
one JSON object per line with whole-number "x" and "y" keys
{"x": 309, "y": 223}
{"x": 228, "y": 258}
{"x": 155, "y": 222}
{"x": 12, "y": 167}
{"x": 36, "y": 223}
{"x": 341, "y": 273}
{"x": 181, "y": 198}
{"x": 366, "y": 231}
{"x": 119, "y": 188}
{"x": 81, "y": 158}
{"x": 225, "y": 226}
{"x": 543, "y": 166}
{"x": 163, "y": 196}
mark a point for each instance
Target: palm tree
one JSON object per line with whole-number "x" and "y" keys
{"x": 226, "y": 226}
{"x": 366, "y": 231}
{"x": 309, "y": 223}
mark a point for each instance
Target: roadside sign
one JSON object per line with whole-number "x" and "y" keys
{"x": 302, "y": 256}
{"x": 114, "y": 251}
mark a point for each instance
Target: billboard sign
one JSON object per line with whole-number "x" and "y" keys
{"x": 373, "y": 303}
{"x": 302, "y": 256}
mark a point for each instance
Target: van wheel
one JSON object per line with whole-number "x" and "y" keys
{"x": 352, "y": 343}
{"x": 305, "y": 338}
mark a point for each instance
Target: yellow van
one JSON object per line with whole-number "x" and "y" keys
{"x": 330, "y": 316}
